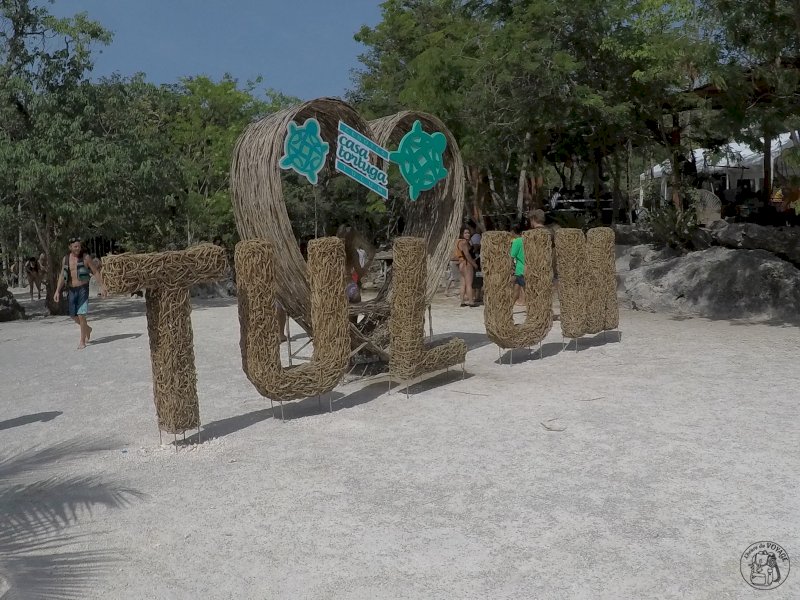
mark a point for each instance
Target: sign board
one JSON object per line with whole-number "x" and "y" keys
{"x": 421, "y": 159}
{"x": 304, "y": 150}
{"x": 353, "y": 153}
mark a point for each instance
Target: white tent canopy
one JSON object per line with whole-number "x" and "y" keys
{"x": 736, "y": 161}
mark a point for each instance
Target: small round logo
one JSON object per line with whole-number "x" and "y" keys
{"x": 764, "y": 565}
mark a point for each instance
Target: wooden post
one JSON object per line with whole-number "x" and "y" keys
{"x": 766, "y": 193}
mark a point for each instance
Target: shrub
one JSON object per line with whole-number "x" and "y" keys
{"x": 672, "y": 228}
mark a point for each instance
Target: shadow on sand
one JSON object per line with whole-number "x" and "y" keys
{"x": 40, "y": 504}
{"x": 325, "y": 403}
{"x": 472, "y": 339}
{"x": 523, "y": 355}
{"x": 41, "y": 417}
{"x": 126, "y": 308}
{"x": 297, "y": 409}
{"x": 115, "y": 338}
{"x": 773, "y": 322}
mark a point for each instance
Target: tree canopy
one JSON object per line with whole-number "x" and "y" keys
{"x": 537, "y": 92}
{"x": 536, "y": 89}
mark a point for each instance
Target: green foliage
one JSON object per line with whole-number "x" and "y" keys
{"x": 208, "y": 119}
{"x": 672, "y": 228}
{"x": 537, "y": 92}
{"x": 122, "y": 159}
{"x": 582, "y": 221}
{"x": 525, "y": 83}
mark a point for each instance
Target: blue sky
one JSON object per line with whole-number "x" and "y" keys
{"x": 302, "y": 48}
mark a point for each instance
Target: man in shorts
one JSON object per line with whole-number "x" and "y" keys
{"x": 77, "y": 269}
{"x": 518, "y": 255}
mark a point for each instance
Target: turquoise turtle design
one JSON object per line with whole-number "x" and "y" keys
{"x": 304, "y": 150}
{"x": 420, "y": 159}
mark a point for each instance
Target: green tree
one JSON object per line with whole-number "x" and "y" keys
{"x": 759, "y": 99}
{"x": 41, "y": 58}
{"x": 210, "y": 117}
{"x": 527, "y": 83}
{"x": 96, "y": 162}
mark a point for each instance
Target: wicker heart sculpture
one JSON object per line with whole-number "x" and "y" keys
{"x": 260, "y": 210}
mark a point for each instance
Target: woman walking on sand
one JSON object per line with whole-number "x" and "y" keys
{"x": 466, "y": 265}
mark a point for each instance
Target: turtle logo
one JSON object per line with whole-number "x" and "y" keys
{"x": 765, "y": 565}
{"x": 304, "y": 150}
{"x": 419, "y": 157}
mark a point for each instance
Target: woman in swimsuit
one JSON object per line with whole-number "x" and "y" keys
{"x": 467, "y": 267}
{"x": 34, "y": 273}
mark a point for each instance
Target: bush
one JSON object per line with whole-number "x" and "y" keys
{"x": 582, "y": 221}
{"x": 672, "y": 228}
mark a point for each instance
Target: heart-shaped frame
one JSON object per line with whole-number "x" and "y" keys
{"x": 260, "y": 210}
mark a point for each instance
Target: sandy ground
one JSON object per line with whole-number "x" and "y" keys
{"x": 669, "y": 454}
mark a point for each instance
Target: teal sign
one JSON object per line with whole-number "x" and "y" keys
{"x": 420, "y": 157}
{"x": 353, "y": 151}
{"x": 304, "y": 150}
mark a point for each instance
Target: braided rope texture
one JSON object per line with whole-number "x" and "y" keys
{"x": 260, "y": 210}
{"x": 256, "y": 265}
{"x": 587, "y": 281}
{"x": 572, "y": 284}
{"x": 498, "y": 314}
{"x": 603, "y": 302}
{"x": 410, "y": 357}
{"x": 176, "y": 269}
{"x": 167, "y": 277}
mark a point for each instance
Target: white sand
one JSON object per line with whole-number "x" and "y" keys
{"x": 681, "y": 448}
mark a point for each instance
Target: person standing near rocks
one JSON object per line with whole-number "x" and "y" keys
{"x": 77, "y": 269}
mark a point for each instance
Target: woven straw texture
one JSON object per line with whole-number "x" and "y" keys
{"x": 256, "y": 266}
{"x": 169, "y": 327}
{"x": 176, "y": 269}
{"x": 436, "y": 215}
{"x": 602, "y": 304}
{"x": 167, "y": 277}
{"x": 410, "y": 358}
{"x": 260, "y": 211}
{"x": 572, "y": 281}
{"x": 498, "y": 268}
{"x": 257, "y": 192}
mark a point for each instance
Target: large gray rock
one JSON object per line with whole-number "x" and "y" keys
{"x": 718, "y": 283}
{"x": 781, "y": 241}
{"x": 631, "y": 235}
{"x": 220, "y": 289}
{"x": 10, "y": 310}
{"x": 645, "y": 254}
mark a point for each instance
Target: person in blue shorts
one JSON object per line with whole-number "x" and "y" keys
{"x": 77, "y": 269}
